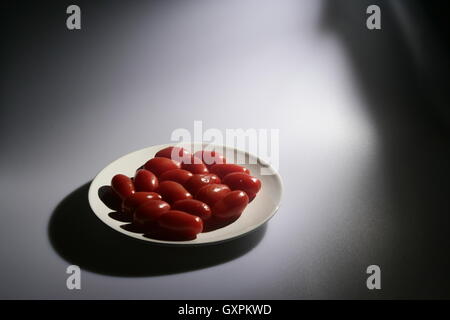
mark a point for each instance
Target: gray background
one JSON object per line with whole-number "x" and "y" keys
{"x": 364, "y": 158}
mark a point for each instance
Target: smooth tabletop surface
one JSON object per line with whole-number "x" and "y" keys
{"x": 364, "y": 169}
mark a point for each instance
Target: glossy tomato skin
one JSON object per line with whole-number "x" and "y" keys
{"x": 177, "y": 225}
{"x": 223, "y": 169}
{"x": 122, "y": 185}
{"x": 200, "y": 180}
{"x": 194, "y": 207}
{"x": 160, "y": 165}
{"x": 137, "y": 199}
{"x": 210, "y": 158}
{"x": 175, "y": 153}
{"x": 242, "y": 181}
{"x": 212, "y": 193}
{"x": 194, "y": 165}
{"x": 172, "y": 191}
{"x": 145, "y": 180}
{"x": 149, "y": 212}
{"x": 178, "y": 175}
{"x": 231, "y": 205}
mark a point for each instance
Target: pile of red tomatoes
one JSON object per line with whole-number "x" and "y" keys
{"x": 176, "y": 195}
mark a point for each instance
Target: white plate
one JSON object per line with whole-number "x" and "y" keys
{"x": 259, "y": 211}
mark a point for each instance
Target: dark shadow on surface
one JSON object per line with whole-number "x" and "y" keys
{"x": 82, "y": 239}
{"x": 414, "y": 143}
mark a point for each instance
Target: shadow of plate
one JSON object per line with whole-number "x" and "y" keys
{"x": 79, "y": 237}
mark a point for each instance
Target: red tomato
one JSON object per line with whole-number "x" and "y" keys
{"x": 145, "y": 180}
{"x": 210, "y": 158}
{"x": 231, "y": 205}
{"x": 137, "y": 199}
{"x": 122, "y": 185}
{"x": 195, "y": 165}
{"x": 223, "y": 169}
{"x": 174, "y": 153}
{"x": 200, "y": 180}
{"x": 178, "y": 175}
{"x": 251, "y": 196}
{"x": 172, "y": 191}
{"x": 195, "y": 207}
{"x": 212, "y": 193}
{"x": 178, "y": 226}
{"x": 149, "y": 212}
{"x": 242, "y": 181}
{"x": 161, "y": 165}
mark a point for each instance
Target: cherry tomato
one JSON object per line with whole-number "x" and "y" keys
{"x": 210, "y": 158}
{"x": 195, "y": 207}
{"x": 178, "y": 225}
{"x": 149, "y": 212}
{"x": 172, "y": 191}
{"x": 195, "y": 165}
{"x": 145, "y": 180}
{"x": 122, "y": 185}
{"x": 223, "y": 169}
{"x": 174, "y": 153}
{"x": 231, "y": 205}
{"x": 200, "y": 180}
{"x": 212, "y": 193}
{"x": 178, "y": 175}
{"x": 137, "y": 199}
{"x": 242, "y": 181}
{"x": 161, "y": 165}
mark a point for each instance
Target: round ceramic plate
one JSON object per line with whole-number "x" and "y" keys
{"x": 259, "y": 211}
